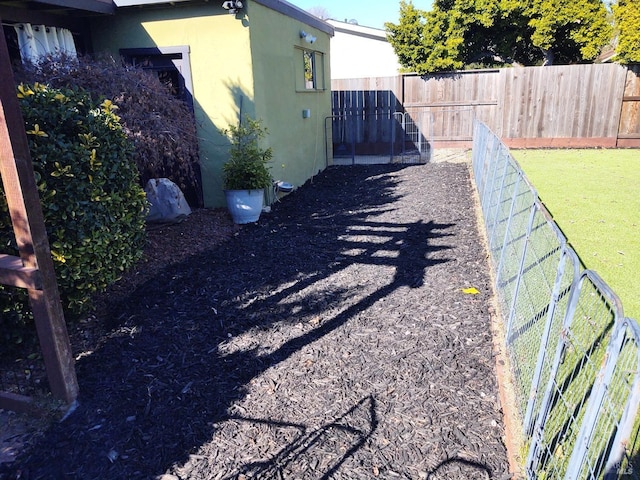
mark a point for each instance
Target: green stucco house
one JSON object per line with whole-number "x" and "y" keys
{"x": 264, "y": 58}
{"x": 233, "y": 61}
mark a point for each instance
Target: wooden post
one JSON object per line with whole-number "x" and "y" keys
{"x": 33, "y": 270}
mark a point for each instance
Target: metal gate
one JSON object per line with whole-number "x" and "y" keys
{"x": 371, "y": 138}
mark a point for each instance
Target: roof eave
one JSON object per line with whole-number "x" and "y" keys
{"x": 280, "y": 6}
{"x": 292, "y": 11}
{"x": 95, "y": 6}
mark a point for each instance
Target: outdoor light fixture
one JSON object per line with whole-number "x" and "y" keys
{"x": 233, "y": 6}
{"x": 307, "y": 37}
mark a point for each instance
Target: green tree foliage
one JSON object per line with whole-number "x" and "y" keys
{"x": 94, "y": 209}
{"x": 407, "y": 37}
{"x": 569, "y": 31}
{"x": 627, "y": 18}
{"x": 460, "y": 34}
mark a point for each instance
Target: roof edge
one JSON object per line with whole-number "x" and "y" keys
{"x": 297, "y": 13}
{"x": 359, "y": 30}
{"x": 97, "y": 6}
{"x": 280, "y": 6}
{"x": 140, "y": 3}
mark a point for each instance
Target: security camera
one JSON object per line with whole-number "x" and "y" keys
{"x": 307, "y": 37}
{"x": 232, "y": 5}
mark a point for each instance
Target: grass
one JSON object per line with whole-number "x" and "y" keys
{"x": 594, "y": 197}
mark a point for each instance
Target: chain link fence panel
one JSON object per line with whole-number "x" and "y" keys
{"x": 574, "y": 357}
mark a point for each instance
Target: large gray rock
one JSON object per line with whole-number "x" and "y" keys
{"x": 166, "y": 201}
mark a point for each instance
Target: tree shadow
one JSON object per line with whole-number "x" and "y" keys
{"x": 182, "y": 349}
{"x": 457, "y": 467}
{"x": 318, "y": 453}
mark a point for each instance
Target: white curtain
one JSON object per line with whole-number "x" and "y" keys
{"x": 36, "y": 41}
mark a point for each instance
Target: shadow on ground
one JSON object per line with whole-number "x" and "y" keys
{"x": 155, "y": 389}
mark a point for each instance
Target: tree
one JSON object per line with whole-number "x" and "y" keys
{"x": 627, "y": 18}
{"x": 407, "y": 38}
{"x": 569, "y": 31}
{"x": 458, "y": 33}
{"x": 320, "y": 12}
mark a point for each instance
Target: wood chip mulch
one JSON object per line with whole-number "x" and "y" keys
{"x": 332, "y": 339}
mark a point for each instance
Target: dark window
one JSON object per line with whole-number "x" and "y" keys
{"x": 170, "y": 64}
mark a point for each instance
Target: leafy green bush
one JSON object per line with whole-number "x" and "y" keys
{"x": 247, "y": 167}
{"x": 93, "y": 206}
{"x": 161, "y": 126}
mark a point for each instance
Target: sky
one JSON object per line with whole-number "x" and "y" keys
{"x": 368, "y": 13}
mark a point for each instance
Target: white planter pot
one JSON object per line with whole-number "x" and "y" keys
{"x": 245, "y": 206}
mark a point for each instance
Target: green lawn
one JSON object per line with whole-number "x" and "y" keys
{"x": 594, "y": 196}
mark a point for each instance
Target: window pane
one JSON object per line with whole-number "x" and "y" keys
{"x": 309, "y": 70}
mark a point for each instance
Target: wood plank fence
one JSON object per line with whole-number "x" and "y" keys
{"x": 595, "y": 105}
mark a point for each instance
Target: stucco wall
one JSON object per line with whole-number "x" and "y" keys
{"x": 298, "y": 143}
{"x": 220, "y": 62}
{"x": 238, "y": 62}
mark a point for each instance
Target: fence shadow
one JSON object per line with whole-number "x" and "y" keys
{"x": 456, "y": 467}
{"x": 179, "y": 351}
{"x": 319, "y": 452}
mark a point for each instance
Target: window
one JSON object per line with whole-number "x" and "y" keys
{"x": 310, "y": 77}
{"x": 312, "y": 64}
{"x": 32, "y": 43}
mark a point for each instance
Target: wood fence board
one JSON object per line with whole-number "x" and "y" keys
{"x": 629, "y": 126}
{"x": 565, "y": 101}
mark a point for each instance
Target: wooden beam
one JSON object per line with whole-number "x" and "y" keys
{"x": 631, "y": 135}
{"x": 14, "y": 273}
{"x": 25, "y": 210}
{"x": 16, "y": 403}
{"x": 452, "y": 103}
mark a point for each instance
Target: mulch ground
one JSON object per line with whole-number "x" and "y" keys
{"x": 332, "y": 339}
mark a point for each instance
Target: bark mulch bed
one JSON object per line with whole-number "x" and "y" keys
{"x": 332, "y": 339}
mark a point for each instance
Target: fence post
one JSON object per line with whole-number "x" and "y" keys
{"x": 627, "y": 419}
{"x": 545, "y": 338}
{"x": 392, "y": 128}
{"x": 543, "y": 413}
{"x": 601, "y": 383}
{"x": 500, "y": 191}
{"x": 478, "y": 154}
{"x": 494, "y": 166}
{"x": 353, "y": 138}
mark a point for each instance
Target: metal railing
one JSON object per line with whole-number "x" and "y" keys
{"x": 574, "y": 357}
{"x": 391, "y": 137}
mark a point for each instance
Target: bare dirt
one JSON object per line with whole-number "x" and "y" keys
{"x": 335, "y": 338}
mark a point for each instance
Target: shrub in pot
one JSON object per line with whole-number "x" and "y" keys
{"x": 246, "y": 173}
